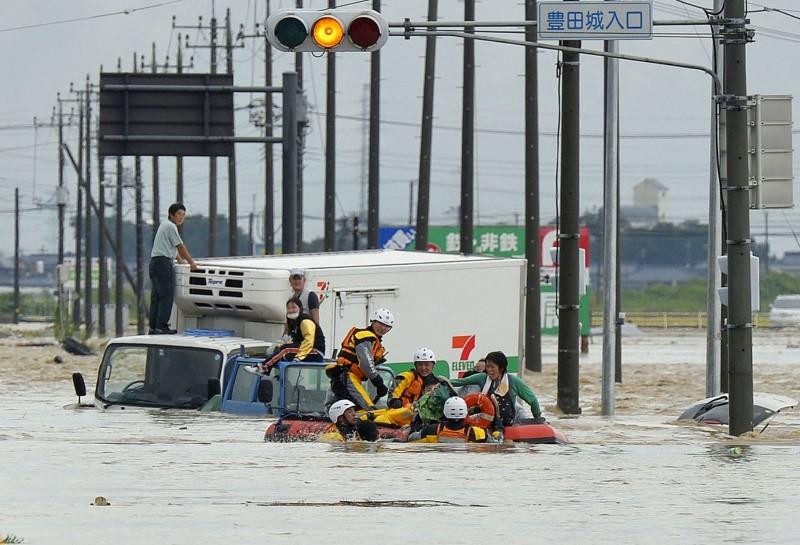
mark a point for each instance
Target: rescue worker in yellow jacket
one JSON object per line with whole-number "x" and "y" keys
{"x": 410, "y": 385}
{"x": 362, "y": 350}
{"x": 346, "y": 426}
{"x": 452, "y": 428}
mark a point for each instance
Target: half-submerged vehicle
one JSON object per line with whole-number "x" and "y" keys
{"x": 714, "y": 410}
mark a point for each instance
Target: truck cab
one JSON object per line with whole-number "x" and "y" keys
{"x": 292, "y": 387}
{"x": 170, "y": 371}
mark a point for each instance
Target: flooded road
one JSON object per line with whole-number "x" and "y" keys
{"x": 188, "y": 478}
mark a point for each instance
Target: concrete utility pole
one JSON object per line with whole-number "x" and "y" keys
{"x": 269, "y": 172}
{"x": 568, "y": 296}
{"x": 373, "y": 199}
{"x": 212, "y": 161}
{"x": 233, "y": 229}
{"x": 713, "y": 329}
{"x": 179, "y": 159}
{"x": 330, "y": 151}
{"x": 61, "y": 197}
{"x": 76, "y": 312}
{"x": 156, "y": 190}
{"x": 426, "y": 136}
{"x": 289, "y": 167}
{"x": 87, "y": 298}
{"x": 119, "y": 297}
{"x": 610, "y": 225}
{"x": 102, "y": 288}
{"x": 533, "y": 315}
{"x": 139, "y": 246}
{"x": 468, "y": 134}
{"x": 15, "y": 318}
{"x": 740, "y": 332}
{"x": 301, "y": 144}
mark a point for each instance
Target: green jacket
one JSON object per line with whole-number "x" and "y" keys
{"x": 516, "y": 387}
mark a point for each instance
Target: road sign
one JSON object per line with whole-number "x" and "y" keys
{"x": 595, "y": 20}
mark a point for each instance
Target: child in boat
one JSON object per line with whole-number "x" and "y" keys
{"x": 346, "y": 426}
{"x": 453, "y": 427}
{"x": 503, "y": 389}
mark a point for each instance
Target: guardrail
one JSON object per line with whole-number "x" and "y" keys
{"x": 666, "y": 320}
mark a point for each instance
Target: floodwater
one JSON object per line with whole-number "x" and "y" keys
{"x": 188, "y": 478}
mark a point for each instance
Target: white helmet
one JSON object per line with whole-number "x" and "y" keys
{"x": 455, "y": 408}
{"x": 338, "y": 409}
{"x": 383, "y": 315}
{"x": 424, "y": 354}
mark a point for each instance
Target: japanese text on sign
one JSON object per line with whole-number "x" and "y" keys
{"x": 595, "y": 20}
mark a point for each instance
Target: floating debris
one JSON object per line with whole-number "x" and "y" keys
{"x": 100, "y": 501}
{"x": 11, "y": 538}
{"x": 365, "y": 503}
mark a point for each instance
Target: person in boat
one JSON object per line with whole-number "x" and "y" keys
{"x": 346, "y": 426}
{"x": 362, "y": 351}
{"x": 479, "y": 367}
{"x": 453, "y": 427}
{"x": 306, "y": 334}
{"x": 503, "y": 389}
{"x": 409, "y": 385}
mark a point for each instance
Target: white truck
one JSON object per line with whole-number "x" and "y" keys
{"x": 462, "y": 307}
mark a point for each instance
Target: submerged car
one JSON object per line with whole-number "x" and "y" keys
{"x": 714, "y": 410}
{"x": 785, "y": 311}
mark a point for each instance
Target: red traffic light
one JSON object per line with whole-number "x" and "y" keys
{"x": 364, "y": 31}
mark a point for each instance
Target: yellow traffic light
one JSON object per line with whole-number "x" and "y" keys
{"x": 328, "y": 32}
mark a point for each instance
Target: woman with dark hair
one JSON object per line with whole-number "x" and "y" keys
{"x": 306, "y": 335}
{"x": 503, "y": 388}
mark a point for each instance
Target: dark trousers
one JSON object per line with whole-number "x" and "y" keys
{"x": 162, "y": 292}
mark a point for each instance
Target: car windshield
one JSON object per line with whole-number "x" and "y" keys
{"x": 157, "y": 376}
{"x": 307, "y": 387}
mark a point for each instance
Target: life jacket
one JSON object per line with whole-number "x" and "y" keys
{"x": 297, "y": 335}
{"x": 347, "y": 357}
{"x": 506, "y": 403}
{"x": 339, "y": 434}
{"x": 467, "y": 434}
{"x": 413, "y": 391}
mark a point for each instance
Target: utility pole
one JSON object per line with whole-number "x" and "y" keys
{"x": 373, "y": 199}
{"x": 568, "y": 238}
{"x": 87, "y": 298}
{"x": 330, "y": 151}
{"x": 426, "y": 136}
{"x": 61, "y": 198}
{"x": 610, "y": 200}
{"x": 533, "y": 315}
{"x": 76, "y": 312}
{"x": 301, "y": 143}
{"x": 269, "y": 171}
{"x": 468, "y": 133}
{"x": 410, "y": 201}
{"x": 714, "y": 280}
{"x": 233, "y": 230}
{"x": 179, "y": 159}
{"x": 156, "y": 190}
{"x": 289, "y": 164}
{"x": 740, "y": 332}
{"x": 102, "y": 288}
{"x": 139, "y": 246}
{"x": 16, "y": 255}
{"x": 212, "y": 161}
{"x": 119, "y": 298}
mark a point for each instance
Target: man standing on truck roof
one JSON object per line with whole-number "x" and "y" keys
{"x": 297, "y": 280}
{"x": 167, "y": 245}
{"x": 362, "y": 350}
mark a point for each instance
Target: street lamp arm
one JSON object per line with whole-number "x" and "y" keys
{"x": 509, "y": 41}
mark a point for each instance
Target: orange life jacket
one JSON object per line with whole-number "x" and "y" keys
{"x": 413, "y": 391}
{"x": 463, "y": 435}
{"x": 347, "y": 354}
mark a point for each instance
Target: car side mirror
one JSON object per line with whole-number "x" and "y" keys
{"x": 214, "y": 387}
{"x": 79, "y": 385}
{"x": 265, "y": 391}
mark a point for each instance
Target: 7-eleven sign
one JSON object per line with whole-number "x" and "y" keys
{"x": 466, "y": 343}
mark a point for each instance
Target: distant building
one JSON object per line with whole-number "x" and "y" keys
{"x": 640, "y": 217}
{"x": 650, "y": 193}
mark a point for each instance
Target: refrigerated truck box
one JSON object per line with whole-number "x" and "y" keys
{"x": 462, "y": 307}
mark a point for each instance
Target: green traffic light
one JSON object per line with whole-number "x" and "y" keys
{"x": 291, "y": 32}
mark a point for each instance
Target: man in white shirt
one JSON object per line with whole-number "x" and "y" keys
{"x": 167, "y": 245}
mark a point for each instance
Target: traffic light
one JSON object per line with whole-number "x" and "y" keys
{"x": 332, "y": 30}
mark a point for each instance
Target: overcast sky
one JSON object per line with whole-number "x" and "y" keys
{"x": 667, "y": 105}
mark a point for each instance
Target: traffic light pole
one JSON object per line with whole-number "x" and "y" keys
{"x": 468, "y": 135}
{"x": 740, "y": 332}
{"x": 373, "y": 176}
{"x": 289, "y": 214}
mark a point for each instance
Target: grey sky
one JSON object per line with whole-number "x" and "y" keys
{"x": 39, "y": 62}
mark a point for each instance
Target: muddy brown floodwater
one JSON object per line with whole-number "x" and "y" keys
{"x": 182, "y": 477}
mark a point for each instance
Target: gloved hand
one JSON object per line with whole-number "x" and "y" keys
{"x": 539, "y": 420}
{"x": 395, "y": 403}
{"x": 380, "y": 387}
